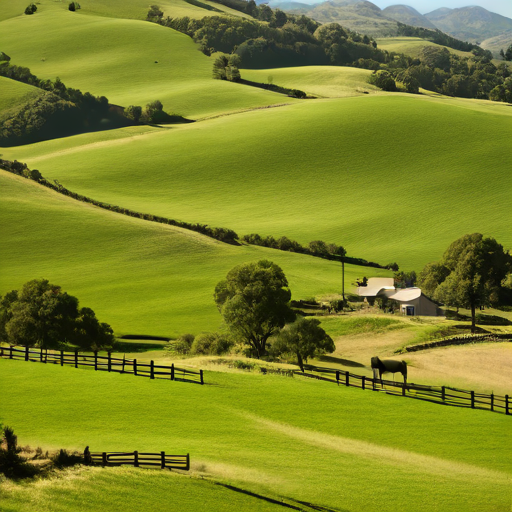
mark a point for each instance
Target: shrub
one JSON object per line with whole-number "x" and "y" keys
{"x": 211, "y": 343}
{"x": 31, "y": 9}
{"x": 74, "y": 6}
{"x": 183, "y": 344}
{"x": 64, "y": 459}
{"x": 383, "y": 79}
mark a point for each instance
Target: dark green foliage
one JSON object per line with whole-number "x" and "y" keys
{"x": 63, "y": 459}
{"x": 223, "y": 234}
{"x": 74, "y": 6}
{"x": 4, "y": 57}
{"x": 507, "y": 54}
{"x": 304, "y": 338}
{"x": 405, "y": 279}
{"x": 383, "y": 79}
{"x": 469, "y": 275}
{"x": 183, "y": 344}
{"x": 254, "y": 302}
{"x": 12, "y": 465}
{"x": 31, "y": 9}
{"x": 42, "y": 315}
{"x": 225, "y": 67}
{"x": 133, "y": 112}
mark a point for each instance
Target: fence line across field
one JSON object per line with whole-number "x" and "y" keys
{"x": 102, "y": 363}
{"x": 438, "y": 394}
{"x": 137, "y": 459}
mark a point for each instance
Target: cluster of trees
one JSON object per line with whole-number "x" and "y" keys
{"x": 225, "y": 67}
{"x": 472, "y": 273}
{"x": 206, "y": 343}
{"x": 152, "y": 113}
{"x": 437, "y": 69}
{"x": 254, "y": 301}
{"x": 21, "y": 169}
{"x": 507, "y": 54}
{"x": 57, "y": 112}
{"x": 31, "y": 9}
{"x": 42, "y": 315}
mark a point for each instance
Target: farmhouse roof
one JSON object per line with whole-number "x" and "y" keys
{"x": 373, "y": 291}
{"x": 406, "y": 294}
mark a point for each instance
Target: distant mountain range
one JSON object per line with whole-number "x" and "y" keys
{"x": 474, "y": 24}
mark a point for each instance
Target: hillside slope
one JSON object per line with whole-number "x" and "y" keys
{"x": 373, "y": 173}
{"x": 139, "y": 276}
{"x": 408, "y": 15}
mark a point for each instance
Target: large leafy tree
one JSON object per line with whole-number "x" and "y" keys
{"x": 469, "y": 274}
{"x": 42, "y": 315}
{"x": 254, "y": 301}
{"x": 304, "y": 338}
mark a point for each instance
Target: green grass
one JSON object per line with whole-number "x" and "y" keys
{"x": 14, "y": 94}
{"x": 320, "y": 81}
{"x": 313, "y": 441}
{"x": 137, "y": 63}
{"x": 141, "y": 277}
{"x": 412, "y": 46}
{"x": 343, "y": 326}
{"x": 373, "y": 173}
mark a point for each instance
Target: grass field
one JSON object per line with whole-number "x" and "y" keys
{"x": 14, "y": 94}
{"x": 130, "y": 62}
{"x": 372, "y": 173}
{"x": 312, "y": 441}
{"x": 141, "y": 277}
{"x": 412, "y": 46}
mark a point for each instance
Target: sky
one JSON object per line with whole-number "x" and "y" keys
{"x": 503, "y": 7}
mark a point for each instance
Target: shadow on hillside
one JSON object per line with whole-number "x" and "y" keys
{"x": 343, "y": 362}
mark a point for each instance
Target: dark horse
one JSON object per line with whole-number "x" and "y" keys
{"x": 388, "y": 365}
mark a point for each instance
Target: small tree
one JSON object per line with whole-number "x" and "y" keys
{"x": 304, "y": 338}
{"x": 133, "y": 112}
{"x": 31, "y": 9}
{"x": 225, "y": 67}
{"x": 469, "y": 274}
{"x": 254, "y": 302}
{"x": 74, "y": 6}
{"x": 383, "y": 79}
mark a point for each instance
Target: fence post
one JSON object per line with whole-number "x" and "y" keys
{"x": 338, "y": 377}
{"x": 104, "y": 459}
{"x": 45, "y": 355}
{"x": 492, "y": 401}
{"x": 136, "y": 459}
{"x": 172, "y": 371}
{"x": 152, "y": 370}
{"x": 163, "y": 460}
{"x": 62, "y": 357}
{"x": 472, "y": 399}
{"x": 76, "y": 358}
{"x": 41, "y": 355}
{"x": 403, "y": 388}
{"x": 347, "y": 383}
{"x": 124, "y": 359}
{"x": 10, "y": 351}
{"x": 26, "y": 353}
{"x": 201, "y": 373}
{"x": 443, "y": 393}
{"x": 109, "y": 361}
{"x": 364, "y": 382}
{"x": 188, "y": 462}
{"x": 95, "y": 360}
{"x": 506, "y": 404}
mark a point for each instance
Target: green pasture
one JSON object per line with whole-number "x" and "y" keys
{"x": 389, "y": 177}
{"x": 341, "y": 448}
{"x": 130, "y": 62}
{"x": 140, "y": 277}
{"x": 412, "y": 46}
{"x": 319, "y": 81}
{"x": 14, "y": 94}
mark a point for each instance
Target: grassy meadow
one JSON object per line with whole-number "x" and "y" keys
{"x": 140, "y": 277}
{"x": 311, "y": 441}
{"x": 372, "y": 173}
{"x": 412, "y": 46}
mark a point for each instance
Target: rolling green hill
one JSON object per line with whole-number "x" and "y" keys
{"x": 137, "y": 63}
{"x": 14, "y": 94}
{"x": 412, "y": 46}
{"x": 139, "y": 276}
{"x": 373, "y": 173}
{"x": 335, "y": 447}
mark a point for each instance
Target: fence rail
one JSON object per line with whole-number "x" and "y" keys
{"x": 102, "y": 363}
{"x": 438, "y": 394}
{"x": 138, "y": 459}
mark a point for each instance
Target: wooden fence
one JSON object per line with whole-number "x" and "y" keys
{"x": 138, "y": 459}
{"x": 102, "y": 363}
{"x": 438, "y": 394}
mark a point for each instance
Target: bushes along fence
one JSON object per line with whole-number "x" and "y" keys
{"x": 436, "y": 394}
{"x": 103, "y": 363}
